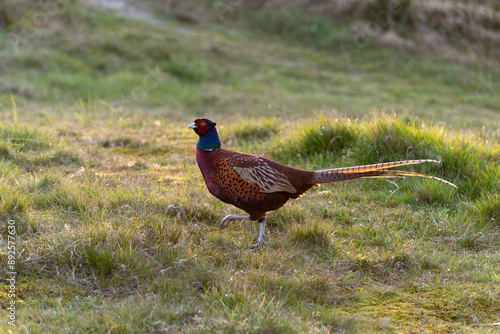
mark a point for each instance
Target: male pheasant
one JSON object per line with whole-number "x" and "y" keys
{"x": 258, "y": 185}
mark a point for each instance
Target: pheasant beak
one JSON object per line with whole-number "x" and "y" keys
{"x": 192, "y": 126}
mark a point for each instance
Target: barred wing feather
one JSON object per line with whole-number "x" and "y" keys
{"x": 268, "y": 179}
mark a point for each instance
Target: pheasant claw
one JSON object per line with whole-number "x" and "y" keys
{"x": 258, "y": 245}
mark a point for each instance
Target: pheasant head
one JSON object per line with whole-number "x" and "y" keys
{"x": 205, "y": 129}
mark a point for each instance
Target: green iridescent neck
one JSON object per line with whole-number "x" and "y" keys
{"x": 209, "y": 141}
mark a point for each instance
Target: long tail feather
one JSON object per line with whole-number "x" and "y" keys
{"x": 349, "y": 173}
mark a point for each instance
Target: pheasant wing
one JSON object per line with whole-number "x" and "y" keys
{"x": 257, "y": 171}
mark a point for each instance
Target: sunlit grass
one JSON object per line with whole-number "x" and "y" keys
{"x": 154, "y": 230}
{"x": 468, "y": 161}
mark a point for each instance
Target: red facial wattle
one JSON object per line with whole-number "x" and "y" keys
{"x": 202, "y": 126}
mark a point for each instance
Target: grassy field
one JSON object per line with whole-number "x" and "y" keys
{"x": 116, "y": 232}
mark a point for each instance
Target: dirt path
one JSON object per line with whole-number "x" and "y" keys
{"x": 125, "y": 8}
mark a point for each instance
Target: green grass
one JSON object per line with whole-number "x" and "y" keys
{"x": 117, "y": 232}
{"x": 386, "y": 138}
{"x": 217, "y": 71}
{"x": 357, "y": 256}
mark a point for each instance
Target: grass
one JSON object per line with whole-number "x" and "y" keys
{"x": 217, "y": 72}
{"x": 110, "y": 240}
{"x": 117, "y": 233}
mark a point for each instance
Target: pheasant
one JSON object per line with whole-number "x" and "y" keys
{"x": 258, "y": 185}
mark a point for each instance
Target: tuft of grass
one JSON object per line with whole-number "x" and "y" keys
{"x": 67, "y": 195}
{"x": 324, "y": 136}
{"x": 293, "y": 212}
{"x": 388, "y": 137}
{"x": 45, "y": 183}
{"x": 488, "y": 209}
{"x": 310, "y": 236}
{"x": 255, "y": 130}
{"x": 4, "y": 152}
{"x": 63, "y": 158}
{"x": 384, "y": 269}
{"x": 428, "y": 263}
{"x": 294, "y": 289}
{"x": 14, "y": 203}
{"x": 22, "y": 139}
{"x": 429, "y": 193}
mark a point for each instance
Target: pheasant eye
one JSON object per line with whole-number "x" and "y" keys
{"x": 203, "y": 123}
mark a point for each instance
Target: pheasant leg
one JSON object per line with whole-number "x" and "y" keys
{"x": 260, "y": 241}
